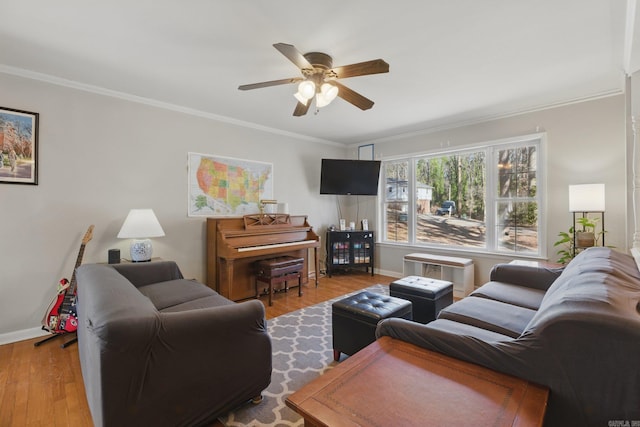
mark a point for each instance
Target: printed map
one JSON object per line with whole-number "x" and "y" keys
{"x": 222, "y": 186}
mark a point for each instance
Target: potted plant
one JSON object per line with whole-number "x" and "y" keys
{"x": 586, "y": 237}
{"x": 574, "y": 240}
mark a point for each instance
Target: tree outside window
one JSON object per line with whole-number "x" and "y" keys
{"x": 396, "y": 201}
{"x": 516, "y": 202}
{"x": 455, "y": 213}
{"x": 445, "y": 199}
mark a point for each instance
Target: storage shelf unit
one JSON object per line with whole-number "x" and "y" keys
{"x": 347, "y": 249}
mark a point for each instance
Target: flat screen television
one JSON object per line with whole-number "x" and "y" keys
{"x": 349, "y": 177}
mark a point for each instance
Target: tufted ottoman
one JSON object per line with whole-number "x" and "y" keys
{"x": 428, "y": 296}
{"x": 354, "y": 319}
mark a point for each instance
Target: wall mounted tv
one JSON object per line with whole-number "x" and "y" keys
{"x": 350, "y": 177}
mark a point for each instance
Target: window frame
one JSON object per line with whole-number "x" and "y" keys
{"x": 491, "y": 149}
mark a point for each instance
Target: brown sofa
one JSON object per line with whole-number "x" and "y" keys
{"x": 158, "y": 350}
{"x": 575, "y": 331}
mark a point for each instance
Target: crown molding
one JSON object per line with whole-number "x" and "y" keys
{"x": 58, "y": 81}
{"x": 489, "y": 118}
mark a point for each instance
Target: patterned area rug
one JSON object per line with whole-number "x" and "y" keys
{"x": 302, "y": 351}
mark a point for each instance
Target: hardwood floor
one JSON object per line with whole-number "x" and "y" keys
{"x": 43, "y": 385}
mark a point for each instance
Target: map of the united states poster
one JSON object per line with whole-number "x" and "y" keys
{"x": 223, "y": 186}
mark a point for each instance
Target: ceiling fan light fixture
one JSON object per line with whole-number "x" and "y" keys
{"x": 327, "y": 93}
{"x": 321, "y": 100}
{"x": 307, "y": 89}
{"x": 301, "y": 99}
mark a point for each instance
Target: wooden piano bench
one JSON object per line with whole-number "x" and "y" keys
{"x": 277, "y": 270}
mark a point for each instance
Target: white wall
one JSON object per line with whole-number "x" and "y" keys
{"x": 101, "y": 156}
{"x": 586, "y": 143}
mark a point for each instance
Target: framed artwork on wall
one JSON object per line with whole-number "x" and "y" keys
{"x": 365, "y": 152}
{"x": 18, "y": 147}
{"x": 224, "y": 186}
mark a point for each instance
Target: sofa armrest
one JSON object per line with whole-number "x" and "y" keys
{"x": 210, "y": 349}
{"x": 145, "y": 273}
{"x": 523, "y": 275}
{"x": 229, "y": 324}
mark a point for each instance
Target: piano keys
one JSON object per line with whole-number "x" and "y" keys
{"x": 235, "y": 244}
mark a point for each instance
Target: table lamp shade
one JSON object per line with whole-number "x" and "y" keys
{"x": 141, "y": 224}
{"x": 586, "y": 198}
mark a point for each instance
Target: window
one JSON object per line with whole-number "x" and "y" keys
{"x": 484, "y": 198}
{"x": 396, "y": 200}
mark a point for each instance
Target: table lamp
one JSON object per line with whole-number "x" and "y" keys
{"x": 139, "y": 225}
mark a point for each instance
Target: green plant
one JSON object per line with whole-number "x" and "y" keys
{"x": 568, "y": 251}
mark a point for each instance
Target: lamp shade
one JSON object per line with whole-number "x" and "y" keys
{"x": 307, "y": 89}
{"x": 328, "y": 93}
{"x": 586, "y": 198}
{"x": 140, "y": 224}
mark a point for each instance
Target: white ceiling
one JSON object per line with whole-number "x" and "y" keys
{"x": 451, "y": 62}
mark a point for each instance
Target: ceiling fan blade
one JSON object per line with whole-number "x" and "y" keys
{"x": 375, "y": 66}
{"x": 293, "y": 55}
{"x": 301, "y": 109}
{"x": 353, "y": 97}
{"x": 270, "y": 83}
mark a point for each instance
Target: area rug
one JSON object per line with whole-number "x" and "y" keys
{"x": 302, "y": 351}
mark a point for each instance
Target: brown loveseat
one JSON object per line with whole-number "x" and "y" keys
{"x": 575, "y": 331}
{"x": 159, "y": 350}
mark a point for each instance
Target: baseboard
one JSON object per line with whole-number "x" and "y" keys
{"x": 389, "y": 273}
{"x": 25, "y": 334}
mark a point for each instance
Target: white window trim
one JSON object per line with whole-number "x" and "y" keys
{"x": 490, "y": 147}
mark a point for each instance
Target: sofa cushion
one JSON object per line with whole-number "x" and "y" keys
{"x": 216, "y": 300}
{"x": 467, "y": 330}
{"x": 174, "y": 292}
{"x": 511, "y": 294}
{"x": 495, "y": 316}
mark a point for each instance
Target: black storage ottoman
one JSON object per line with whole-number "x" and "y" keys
{"x": 428, "y": 296}
{"x": 354, "y": 319}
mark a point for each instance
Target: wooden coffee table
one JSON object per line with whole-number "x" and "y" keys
{"x": 394, "y": 383}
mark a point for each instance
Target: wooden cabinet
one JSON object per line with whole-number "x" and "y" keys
{"x": 348, "y": 249}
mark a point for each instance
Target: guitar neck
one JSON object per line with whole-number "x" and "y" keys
{"x": 72, "y": 285}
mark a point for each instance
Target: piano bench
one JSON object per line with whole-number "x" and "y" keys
{"x": 277, "y": 270}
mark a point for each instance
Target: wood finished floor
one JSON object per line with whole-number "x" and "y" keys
{"x": 42, "y": 386}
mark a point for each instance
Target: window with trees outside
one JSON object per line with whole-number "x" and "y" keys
{"x": 487, "y": 198}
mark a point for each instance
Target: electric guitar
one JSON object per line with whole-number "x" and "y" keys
{"x": 61, "y": 316}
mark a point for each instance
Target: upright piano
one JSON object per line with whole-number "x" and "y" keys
{"x": 235, "y": 244}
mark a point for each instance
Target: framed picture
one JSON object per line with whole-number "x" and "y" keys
{"x": 365, "y": 152}
{"x": 18, "y": 147}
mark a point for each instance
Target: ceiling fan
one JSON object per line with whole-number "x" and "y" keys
{"x": 320, "y": 79}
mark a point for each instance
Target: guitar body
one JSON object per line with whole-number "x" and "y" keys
{"x": 51, "y": 320}
{"x": 69, "y": 315}
{"x": 61, "y": 316}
